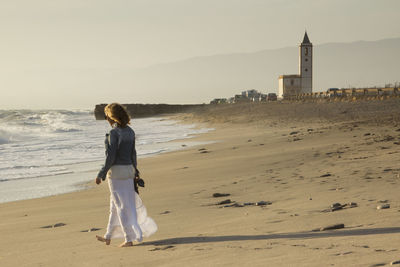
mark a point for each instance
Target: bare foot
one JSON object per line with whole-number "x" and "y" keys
{"x": 126, "y": 244}
{"x": 102, "y": 239}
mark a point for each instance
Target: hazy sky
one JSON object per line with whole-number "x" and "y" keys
{"x": 48, "y": 46}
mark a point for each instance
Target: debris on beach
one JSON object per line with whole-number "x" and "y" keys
{"x": 330, "y": 227}
{"x": 53, "y": 225}
{"x": 339, "y": 206}
{"x": 221, "y": 194}
{"x": 383, "y": 206}
{"x": 227, "y": 203}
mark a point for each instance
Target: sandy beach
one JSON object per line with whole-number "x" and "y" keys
{"x": 287, "y": 180}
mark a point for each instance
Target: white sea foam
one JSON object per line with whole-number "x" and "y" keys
{"x": 38, "y": 144}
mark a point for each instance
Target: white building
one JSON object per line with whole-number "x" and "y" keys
{"x": 290, "y": 85}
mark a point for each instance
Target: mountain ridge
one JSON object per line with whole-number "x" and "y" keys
{"x": 200, "y": 79}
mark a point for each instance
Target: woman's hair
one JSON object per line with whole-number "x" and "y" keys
{"x": 117, "y": 113}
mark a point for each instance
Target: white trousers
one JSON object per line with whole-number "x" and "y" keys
{"x": 128, "y": 216}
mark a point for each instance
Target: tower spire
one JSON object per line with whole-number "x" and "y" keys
{"x": 305, "y": 39}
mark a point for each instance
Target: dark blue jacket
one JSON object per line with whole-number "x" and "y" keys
{"x": 120, "y": 149}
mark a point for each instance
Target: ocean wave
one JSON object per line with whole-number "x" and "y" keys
{"x": 36, "y": 144}
{"x": 20, "y": 123}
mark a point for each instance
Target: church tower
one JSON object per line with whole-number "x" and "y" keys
{"x": 305, "y": 64}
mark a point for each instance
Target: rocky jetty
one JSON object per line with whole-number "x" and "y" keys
{"x": 148, "y": 110}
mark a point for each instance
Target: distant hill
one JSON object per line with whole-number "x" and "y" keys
{"x": 197, "y": 80}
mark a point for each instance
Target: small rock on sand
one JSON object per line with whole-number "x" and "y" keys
{"x": 223, "y": 202}
{"x": 263, "y": 203}
{"x": 221, "y": 194}
{"x": 383, "y": 206}
{"x": 330, "y": 227}
{"x": 336, "y": 206}
{"x": 53, "y": 225}
{"x": 352, "y": 204}
{"x": 91, "y": 230}
{"x": 165, "y": 212}
{"x": 326, "y": 175}
{"x": 395, "y": 262}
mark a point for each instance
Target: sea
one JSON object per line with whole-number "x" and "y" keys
{"x": 50, "y": 152}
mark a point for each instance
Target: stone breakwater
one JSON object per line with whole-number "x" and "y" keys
{"x": 149, "y": 110}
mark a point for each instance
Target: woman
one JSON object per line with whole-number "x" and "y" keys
{"x": 128, "y": 217}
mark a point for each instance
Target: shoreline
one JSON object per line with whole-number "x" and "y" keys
{"x": 75, "y": 170}
{"x": 301, "y": 172}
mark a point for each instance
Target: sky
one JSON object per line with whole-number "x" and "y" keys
{"x": 63, "y": 53}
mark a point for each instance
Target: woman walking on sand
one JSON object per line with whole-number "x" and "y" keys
{"x": 128, "y": 217}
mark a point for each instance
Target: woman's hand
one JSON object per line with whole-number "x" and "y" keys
{"x": 98, "y": 180}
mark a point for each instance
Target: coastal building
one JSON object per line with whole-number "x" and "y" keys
{"x": 291, "y": 85}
